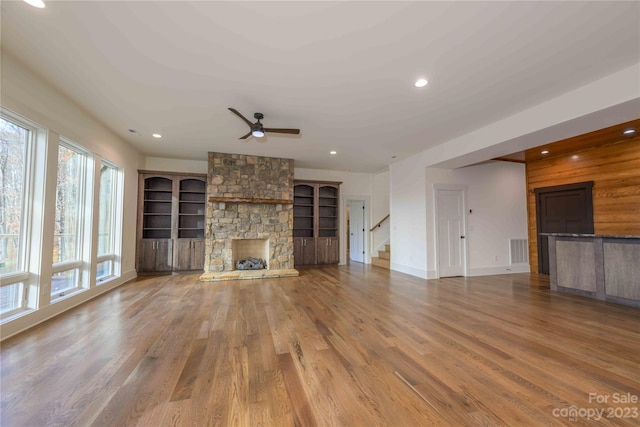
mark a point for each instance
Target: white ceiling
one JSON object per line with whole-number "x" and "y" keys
{"x": 342, "y": 72}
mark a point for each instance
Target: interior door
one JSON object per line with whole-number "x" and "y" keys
{"x": 450, "y": 241}
{"x": 562, "y": 209}
{"x": 356, "y": 231}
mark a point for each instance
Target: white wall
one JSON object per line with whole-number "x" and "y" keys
{"x": 380, "y": 209}
{"x": 610, "y": 100}
{"x": 408, "y": 234}
{"x": 496, "y": 195}
{"x": 177, "y": 165}
{"x": 27, "y": 95}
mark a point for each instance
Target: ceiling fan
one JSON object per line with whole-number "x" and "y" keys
{"x": 257, "y": 129}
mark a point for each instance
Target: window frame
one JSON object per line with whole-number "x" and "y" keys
{"x": 22, "y": 274}
{"x": 83, "y": 215}
{"x": 116, "y": 222}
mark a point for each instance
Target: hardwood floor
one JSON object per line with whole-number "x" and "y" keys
{"x": 352, "y": 346}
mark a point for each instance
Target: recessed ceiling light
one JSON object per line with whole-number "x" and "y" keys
{"x": 421, "y": 83}
{"x": 544, "y": 152}
{"x": 35, "y": 3}
{"x": 629, "y": 132}
{"x": 156, "y": 135}
{"x": 333, "y": 152}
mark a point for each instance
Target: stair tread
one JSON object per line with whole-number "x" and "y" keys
{"x": 381, "y": 262}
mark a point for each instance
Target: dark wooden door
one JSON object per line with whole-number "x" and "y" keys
{"x": 562, "y": 209}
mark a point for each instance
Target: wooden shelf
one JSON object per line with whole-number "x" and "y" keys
{"x": 315, "y": 223}
{"x": 171, "y": 221}
{"x": 250, "y": 200}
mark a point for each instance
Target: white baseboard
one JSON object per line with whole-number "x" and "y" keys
{"x": 409, "y": 270}
{"x": 431, "y": 274}
{"x": 504, "y": 269}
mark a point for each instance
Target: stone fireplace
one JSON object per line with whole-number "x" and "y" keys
{"x": 249, "y": 214}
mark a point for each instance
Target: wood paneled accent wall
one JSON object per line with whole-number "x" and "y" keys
{"x": 606, "y": 157}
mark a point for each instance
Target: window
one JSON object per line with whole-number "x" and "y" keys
{"x": 12, "y": 175}
{"x": 107, "y": 223}
{"x": 54, "y": 232}
{"x": 68, "y": 227}
{"x": 15, "y": 140}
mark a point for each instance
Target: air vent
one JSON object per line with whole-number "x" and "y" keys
{"x": 519, "y": 251}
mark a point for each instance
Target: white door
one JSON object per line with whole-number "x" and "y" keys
{"x": 451, "y": 243}
{"x": 356, "y": 231}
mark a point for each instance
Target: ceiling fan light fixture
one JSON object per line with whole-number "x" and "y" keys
{"x": 258, "y": 133}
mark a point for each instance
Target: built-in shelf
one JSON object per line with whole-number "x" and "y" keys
{"x": 315, "y": 223}
{"x": 171, "y": 222}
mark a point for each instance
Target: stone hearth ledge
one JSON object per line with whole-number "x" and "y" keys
{"x": 217, "y": 276}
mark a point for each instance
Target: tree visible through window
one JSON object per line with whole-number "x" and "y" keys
{"x": 67, "y": 206}
{"x": 67, "y": 226}
{"x": 13, "y": 142}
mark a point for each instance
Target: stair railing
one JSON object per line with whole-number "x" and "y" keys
{"x": 380, "y": 222}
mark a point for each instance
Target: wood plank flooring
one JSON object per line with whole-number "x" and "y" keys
{"x": 345, "y": 346}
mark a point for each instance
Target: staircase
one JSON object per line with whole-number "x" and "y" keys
{"x": 383, "y": 259}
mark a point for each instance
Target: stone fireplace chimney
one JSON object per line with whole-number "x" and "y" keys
{"x": 250, "y": 206}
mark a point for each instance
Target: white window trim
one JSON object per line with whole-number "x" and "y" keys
{"x": 30, "y": 293}
{"x": 82, "y": 195}
{"x": 11, "y": 279}
{"x": 117, "y": 215}
{"x": 60, "y": 267}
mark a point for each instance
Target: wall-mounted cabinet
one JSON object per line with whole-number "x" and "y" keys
{"x": 171, "y": 218}
{"x": 315, "y": 222}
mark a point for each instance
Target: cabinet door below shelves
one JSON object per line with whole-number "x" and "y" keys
{"x": 189, "y": 254}
{"x": 328, "y": 250}
{"x": 155, "y": 255}
{"x": 304, "y": 250}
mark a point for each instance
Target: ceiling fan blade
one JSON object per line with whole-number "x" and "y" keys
{"x": 291, "y": 131}
{"x": 233, "y": 110}
{"x": 246, "y": 136}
